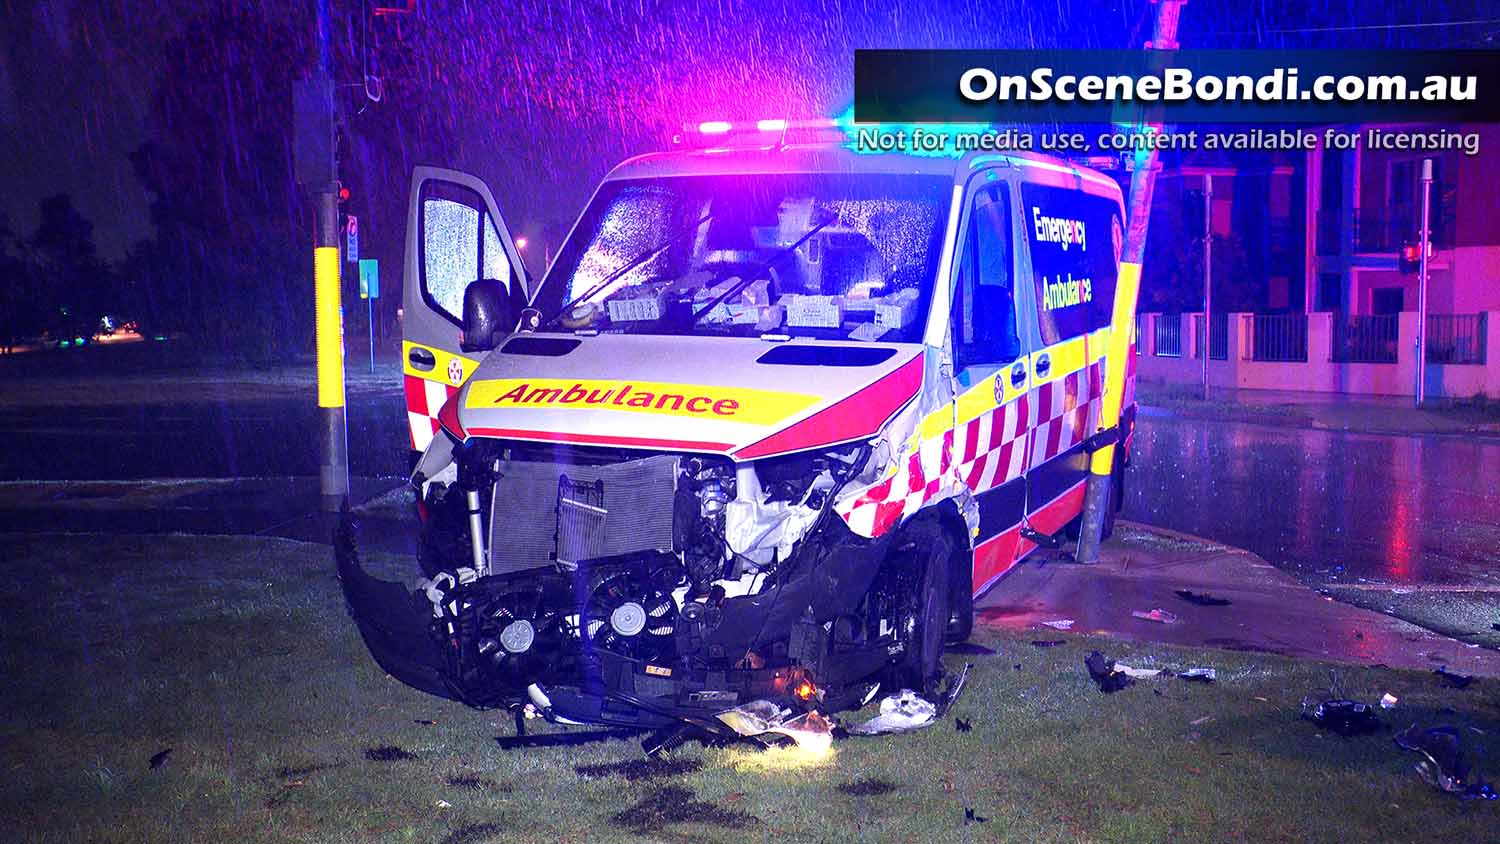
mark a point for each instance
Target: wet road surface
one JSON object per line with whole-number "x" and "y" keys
{"x": 1389, "y": 509}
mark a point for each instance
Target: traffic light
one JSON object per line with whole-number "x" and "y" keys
{"x": 1410, "y": 257}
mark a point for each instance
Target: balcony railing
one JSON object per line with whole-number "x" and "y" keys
{"x": 1279, "y": 337}
{"x": 1383, "y": 228}
{"x": 1456, "y": 338}
{"x": 1362, "y": 338}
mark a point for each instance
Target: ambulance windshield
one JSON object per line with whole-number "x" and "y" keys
{"x": 830, "y": 256}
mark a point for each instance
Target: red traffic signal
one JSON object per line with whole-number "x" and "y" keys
{"x": 343, "y": 194}
{"x": 1410, "y": 258}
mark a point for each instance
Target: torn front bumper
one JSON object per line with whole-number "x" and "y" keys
{"x": 460, "y": 652}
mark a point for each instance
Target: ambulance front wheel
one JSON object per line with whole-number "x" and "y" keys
{"x": 920, "y": 597}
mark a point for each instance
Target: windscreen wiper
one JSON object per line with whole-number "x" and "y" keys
{"x": 752, "y": 274}
{"x": 617, "y": 274}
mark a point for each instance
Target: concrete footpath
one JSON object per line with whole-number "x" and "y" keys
{"x": 1141, "y": 570}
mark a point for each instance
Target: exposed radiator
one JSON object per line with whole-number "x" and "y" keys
{"x": 609, "y": 509}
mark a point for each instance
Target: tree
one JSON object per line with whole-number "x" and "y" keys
{"x": 70, "y": 282}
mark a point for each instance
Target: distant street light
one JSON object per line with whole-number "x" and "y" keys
{"x": 521, "y": 244}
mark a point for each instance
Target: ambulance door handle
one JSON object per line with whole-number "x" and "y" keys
{"x": 421, "y": 359}
{"x": 1018, "y": 374}
{"x": 1043, "y": 366}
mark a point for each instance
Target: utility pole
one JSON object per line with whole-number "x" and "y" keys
{"x": 1208, "y": 274}
{"x": 1096, "y": 500}
{"x": 333, "y": 463}
{"x": 1422, "y": 281}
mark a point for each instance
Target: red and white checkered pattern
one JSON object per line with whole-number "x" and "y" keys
{"x": 985, "y": 452}
{"x": 992, "y": 445}
{"x": 1066, "y": 411}
{"x": 879, "y": 507}
{"x": 424, "y": 399}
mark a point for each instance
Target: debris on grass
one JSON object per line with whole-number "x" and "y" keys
{"x": 1158, "y": 615}
{"x": 1199, "y": 675}
{"x": 426, "y": 722}
{"x": 1102, "y": 670}
{"x": 635, "y": 770}
{"x": 1445, "y": 764}
{"x": 1048, "y": 643}
{"x": 1346, "y": 717}
{"x": 160, "y": 758}
{"x": 899, "y": 713}
{"x": 1137, "y": 673}
{"x": 970, "y": 817}
{"x": 1059, "y": 624}
{"x": 1388, "y": 701}
{"x": 869, "y": 787}
{"x": 1202, "y": 599}
{"x": 675, "y": 804}
{"x": 441, "y": 804}
{"x": 389, "y": 753}
{"x": 1198, "y": 722}
{"x": 962, "y": 726}
{"x": 1454, "y": 681}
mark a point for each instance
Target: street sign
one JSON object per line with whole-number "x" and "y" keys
{"x": 351, "y": 240}
{"x": 369, "y": 278}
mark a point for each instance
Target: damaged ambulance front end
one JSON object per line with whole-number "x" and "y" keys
{"x": 696, "y": 484}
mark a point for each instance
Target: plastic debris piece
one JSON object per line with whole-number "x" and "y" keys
{"x": 1456, "y": 681}
{"x": 1137, "y": 673}
{"x": 970, "y": 817}
{"x": 1202, "y": 599}
{"x": 1445, "y": 764}
{"x": 755, "y": 717}
{"x": 424, "y": 722}
{"x": 1345, "y": 717}
{"x": 1157, "y": 615}
{"x": 1048, "y": 643}
{"x": 810, "y": 730}
{"x": 1199, "y": 675}
{"x": 1102, "y": 670}
{"x": 1388, "y": 701}
{"x": 952, "y": 690}
{"x": 962, "y": 726}
{"x": 442, "y": 804}
{"x": 1059, "y": 624}
{"x": 899, "y": 713}
{"x": 160, "y": 758}
{"x": 1198, "y": 722}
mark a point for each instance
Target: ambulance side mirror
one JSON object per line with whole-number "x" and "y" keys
{"x": 489, "y": 315}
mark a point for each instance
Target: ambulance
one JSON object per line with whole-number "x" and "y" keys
{"x": 777, "y": 412}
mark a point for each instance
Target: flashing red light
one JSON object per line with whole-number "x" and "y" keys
{"x": 714, "y": 127}
{"x": 343, "y": 194}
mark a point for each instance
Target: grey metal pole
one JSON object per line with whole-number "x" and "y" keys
{"x": 333, "y": 463}
{"x": 1422, "y": 282}
{"x": 1208, "y": 262}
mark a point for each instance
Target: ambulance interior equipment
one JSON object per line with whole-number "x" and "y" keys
{"x": 770, "y": 421}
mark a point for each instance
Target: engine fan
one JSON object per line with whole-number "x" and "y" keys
{"x": 632, "y": 614}
{"x": 521, "y": 633}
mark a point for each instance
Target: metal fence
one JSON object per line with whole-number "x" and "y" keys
{"x": 1218, "y": 341}
{"x": 1365, "y": 338}
{"x": 1168, "y": 337}
{"x": 1279, "y": 337}
{"x": 1456, "y": 338}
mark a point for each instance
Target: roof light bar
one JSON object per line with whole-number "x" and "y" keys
{"x": 714, "y": 127}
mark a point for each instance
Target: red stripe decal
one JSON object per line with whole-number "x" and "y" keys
{"x": 858, "y": 416}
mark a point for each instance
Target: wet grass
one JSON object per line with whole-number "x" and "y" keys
{"x": 237, "y": 653}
